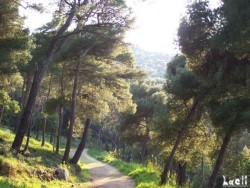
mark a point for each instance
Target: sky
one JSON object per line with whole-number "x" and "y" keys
{"x": 156, "y": 24}
{"x": 155, "y": 27}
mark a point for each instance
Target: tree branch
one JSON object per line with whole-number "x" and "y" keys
{"x": 68, "y": 3}
{"x": 28, "y": 5}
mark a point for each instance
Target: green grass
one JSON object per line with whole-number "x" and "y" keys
{"x": 36, "y": 167}
{"x": 145, "y": 176}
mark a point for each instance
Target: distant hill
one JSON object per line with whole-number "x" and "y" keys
{"x": 153, "y": 63}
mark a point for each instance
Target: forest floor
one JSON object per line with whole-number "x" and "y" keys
{"x": 103, "y": 175}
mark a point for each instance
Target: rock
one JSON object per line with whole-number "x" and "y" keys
{"x": 61, "y": 174}
{"x": 45, "y": 175}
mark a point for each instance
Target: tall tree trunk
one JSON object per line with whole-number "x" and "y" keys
{"x": 45, "y": 115}
{"x": 181, "y": 174}
{"x": 73, "y": 105}
{"x": 53, "y": 46}
{"x": 61, "y": 109}
{"x": 44, "y": 130}
{"x": 82, "y": 143}
{"x": 164, "y": 175}
{"x": 218, "y": 163}
{"x": 72, "y": 115}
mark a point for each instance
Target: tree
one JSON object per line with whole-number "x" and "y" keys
{"x": 186, "y": 89}
{"x": 231, "y": 115}
{"x": 136, "y": 128}
{"x": 107, "y": 89}
{"x": 104, "y": 14}
{"x": 14, "y": 46}
{"x": 61, "y": 78}
{"x": 218, "y": 62}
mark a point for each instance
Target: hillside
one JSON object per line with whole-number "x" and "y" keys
{"x": 37, "y": 168}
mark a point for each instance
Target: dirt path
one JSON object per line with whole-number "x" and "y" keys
{"x": 105, "y": 176}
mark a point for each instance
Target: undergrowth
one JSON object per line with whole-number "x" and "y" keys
{"x": 36, "y": 167}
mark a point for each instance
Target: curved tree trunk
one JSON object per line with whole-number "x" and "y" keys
{"x": 73, "y": 105}
{"x": 164, "y": 175}
{"x": 218, "y": 163}
{"x": 82, "y": 143}
{"x": 72, "y": 115}
{"x": 24, "y": 122}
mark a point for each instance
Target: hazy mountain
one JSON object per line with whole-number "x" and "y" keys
{"x": 153, "y": 63}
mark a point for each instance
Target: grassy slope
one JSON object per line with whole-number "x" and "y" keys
{"x": 36, "y": 168}
{"x": 144, "y": 176}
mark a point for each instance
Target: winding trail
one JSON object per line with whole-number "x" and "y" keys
{"x": 105, "y": 176}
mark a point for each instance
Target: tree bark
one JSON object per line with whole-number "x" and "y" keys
{"x": 82, "y": 143}
{"x": 164, "y": 175}
{"x": 218, "y": 163}
{"x": 23, "y": 125}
